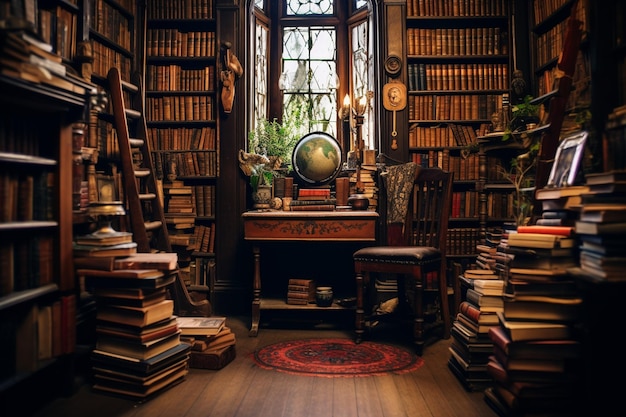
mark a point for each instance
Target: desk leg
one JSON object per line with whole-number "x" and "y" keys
{"x": 256, "y": 292}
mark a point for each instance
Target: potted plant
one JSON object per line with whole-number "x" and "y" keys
{"x": 524, "y": 113}
{"x": 276, "y": 140}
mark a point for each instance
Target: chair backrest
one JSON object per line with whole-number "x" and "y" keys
{"x": 429, "y": 210}
{"x": 426, "y": 223}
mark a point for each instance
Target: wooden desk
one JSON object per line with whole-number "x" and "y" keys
{"x": 314, "y": 226}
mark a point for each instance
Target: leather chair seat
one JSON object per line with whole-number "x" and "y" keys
{"x": 405, "y": 255}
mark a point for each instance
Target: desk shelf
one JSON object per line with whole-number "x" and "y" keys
{"x": 280, "y": 304}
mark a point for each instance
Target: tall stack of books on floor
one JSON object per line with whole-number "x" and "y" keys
{"x": 481, "y": 289}
{"x": 212, "y": 342}
{"x": 138, "y": 349}
{"x": 601, "y": 227}
{"x": 536, "y": 343}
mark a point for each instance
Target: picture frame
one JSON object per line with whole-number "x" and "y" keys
{"x": 107, "y": 191}
{"x": 567, "y": 160}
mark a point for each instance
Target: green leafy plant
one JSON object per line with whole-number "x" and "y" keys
{"x": 273, "y": 138}
{"x": 521, "y": 175}
{"x": 526, "y": 108}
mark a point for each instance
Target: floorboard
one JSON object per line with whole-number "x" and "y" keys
{"x": 242, "y": 389}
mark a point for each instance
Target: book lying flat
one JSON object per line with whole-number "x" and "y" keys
{"x": 135, "y": 316}
{"x": 123, "y": 249}
{"x": 204, "y": 326}
{"x": 518, "y": 330}
{"x": 137, "y": 349}
{"x": 130, "y": 283}
{"x": 121, "y": 273}
{"x": 138, "y": 366}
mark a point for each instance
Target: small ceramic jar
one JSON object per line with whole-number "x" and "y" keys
{"x": 324, "y": 296}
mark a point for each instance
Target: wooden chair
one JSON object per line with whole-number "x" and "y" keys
{"x": 415, "y": 253}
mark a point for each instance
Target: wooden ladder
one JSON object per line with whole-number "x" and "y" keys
{"x": 142, "y": 196}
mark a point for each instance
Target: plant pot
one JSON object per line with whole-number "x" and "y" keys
{"x": 262, "y": 197}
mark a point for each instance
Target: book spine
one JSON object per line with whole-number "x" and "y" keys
{"x": 314, "y": 207}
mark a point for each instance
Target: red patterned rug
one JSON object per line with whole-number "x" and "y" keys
{"x": 336, "y": 358}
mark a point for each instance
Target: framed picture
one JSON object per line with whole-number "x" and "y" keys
{"x": 107, "y": 191}
{"x": 567, "y": 160}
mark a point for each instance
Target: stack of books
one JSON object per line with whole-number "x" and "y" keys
{"x": 471, "y": 347}
{"x": 533, "y": 364}
{"x": 300, "y": 291}
{"x": 601, "y": 227}
{"x": 212, "y": 342}
{"x": 314, "y": 199}
{"x": 138, "y": 349}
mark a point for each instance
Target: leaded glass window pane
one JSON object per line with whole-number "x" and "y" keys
{"x": 310, "y": 7}
{"x": 309, "y": 76}
{"x": 260, "y": 80}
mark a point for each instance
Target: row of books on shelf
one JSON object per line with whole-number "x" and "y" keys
{"x": 176, "y": 78}
{"x": 464, "y": 168}
{"x": 203, "y": 239}
{"x": 462, "y": 240}
{"x": 107, "y": 58}
{"x": 174, "y": 42}
{"x": 453, "y": 107}
{"x": 112, "y": 23}
{"x": 456, "y": 8}
{"x": 42, "y": 332}
{"x": 26, "y": 262}
{"x": 25, "y": 197}
{"x": 459, "y": 77}
{"x": 182, "y": 138}
{"x": 166, "y": 10}
{"x": 449, "y": 135}
{"x": 185, "y": 108}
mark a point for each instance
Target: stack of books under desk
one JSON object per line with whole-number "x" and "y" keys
{"x": 138, "y": 349}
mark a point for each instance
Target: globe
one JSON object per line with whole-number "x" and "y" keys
{"x": 316, "y": 158}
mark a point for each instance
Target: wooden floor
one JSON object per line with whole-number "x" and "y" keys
{"x": 242, "y": 389}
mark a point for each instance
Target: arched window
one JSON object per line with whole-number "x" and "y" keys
{"x": 309, "y": 55}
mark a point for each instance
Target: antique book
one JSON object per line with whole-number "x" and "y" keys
{"x": 130, "y": 283}
{"x": 163, "y": 261}
{"x": 595, "y": 228}
{"x": 104, "y": 239}
{"x": 141, "y": 334}
{"x": 539, "y": 349}
{"x": 122, "y": 249}
{"x": 542, "y": 307}
{"x": 121, "y": 273}
{"x": 539, "y": 240}
{"x": 203, "y": 326}
{"x": 134, "y": 348}
{"x": 136, "y": 316}
{"x": 518, "y": 330}
{"x": 144, "y": 367}
{"x": 212, "y": 358}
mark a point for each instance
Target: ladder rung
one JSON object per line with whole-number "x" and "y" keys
{"x": 142, "y": 172}
{"x": 147, "y": 196}
{"x": 129, "y": 87}
{"x": 136, "y": 142}
{"x": 152, "y": 225}
{"x": 133, "y": 114}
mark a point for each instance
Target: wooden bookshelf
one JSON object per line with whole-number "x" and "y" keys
{"x": 181, "y": 114}
{"x": 457, "y": 72}
{"x": 37, "y": 286}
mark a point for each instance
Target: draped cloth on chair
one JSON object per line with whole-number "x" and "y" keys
{"x": 398, "y": 180}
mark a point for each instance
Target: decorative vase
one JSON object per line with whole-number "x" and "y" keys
{"x": 262, "y": 197}
{"x": 324, "y": 296}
